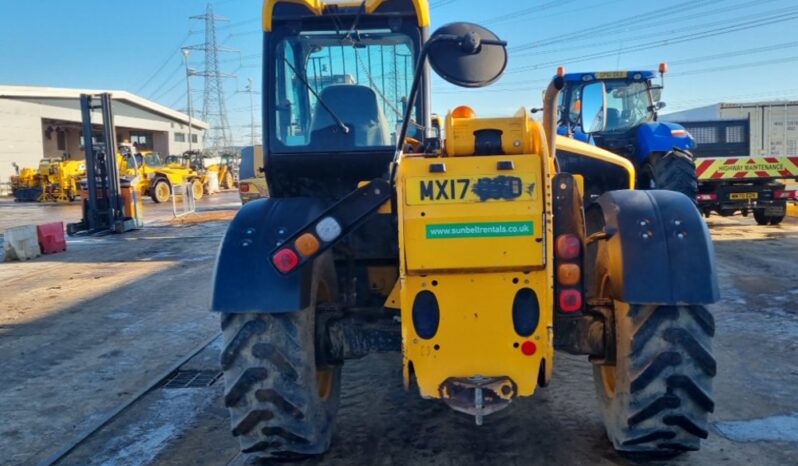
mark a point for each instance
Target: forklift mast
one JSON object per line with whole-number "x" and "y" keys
{"x": 105, "y": 207}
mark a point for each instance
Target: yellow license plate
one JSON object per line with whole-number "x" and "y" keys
{"x": 462, "y": 189}
{"x": 611, "y": 74}
{"x": 743, "y": 196}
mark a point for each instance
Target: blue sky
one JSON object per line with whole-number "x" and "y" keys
{"x": 718, "y": 50}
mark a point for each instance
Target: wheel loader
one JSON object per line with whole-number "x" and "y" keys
{"x": 156, "y": 179}
{"x": 470, "y": 253}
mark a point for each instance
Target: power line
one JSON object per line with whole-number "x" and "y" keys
{"x": 773, "y": 19}
{"x": 654, "y": 33}
{"x": 527, "y": 11}
{"x": 167, "y": 81}
{"x": 163, "y": 65}
{"x": 636, "y": 20}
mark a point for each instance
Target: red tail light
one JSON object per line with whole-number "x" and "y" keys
{"x": 707, "y": 197}
{"x": 529, "y": 348}
{"x": 784, "y": 194}
{"x": 568, "y": 246}
{"x": 570, "y": 300}
{"x": 244, "y": 187}
{"x": 285, "y": 260}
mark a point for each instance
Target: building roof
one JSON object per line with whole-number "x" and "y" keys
{"x": 761, "y": 103}
{"x": 18, "y": 92}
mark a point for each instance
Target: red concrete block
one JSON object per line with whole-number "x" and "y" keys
{"x": 51, "y": 237}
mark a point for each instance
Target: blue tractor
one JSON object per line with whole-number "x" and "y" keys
{"x": 628, "y": 125}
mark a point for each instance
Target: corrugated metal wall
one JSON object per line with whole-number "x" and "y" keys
{"x": 774, "y": 126}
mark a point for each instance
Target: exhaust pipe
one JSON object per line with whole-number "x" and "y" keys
{"x": 550, "y": 113}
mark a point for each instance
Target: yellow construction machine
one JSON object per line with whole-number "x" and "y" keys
{"x": 60, "y": 179}
{"x": 157, "y": 179}
{"x": 226, "y": 170}
{"x": 476, "y": 255}
{"x": 24, "y": 185}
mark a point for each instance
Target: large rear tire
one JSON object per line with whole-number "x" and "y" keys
{"x": 656, "y": 395}
{"x": 656, "y": 398}
{"x": 282, "y": 405}
{"x": 673, "y": 171}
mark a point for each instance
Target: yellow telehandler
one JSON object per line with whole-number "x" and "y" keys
{"x": 475, "y": 255}
{"x": 157, "y": 179}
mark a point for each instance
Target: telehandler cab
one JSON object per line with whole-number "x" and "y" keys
{"x": 473, "y": 256}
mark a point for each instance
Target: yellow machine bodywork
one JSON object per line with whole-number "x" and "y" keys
{"x": 317, "y": 8}
{"x": 25, "y": 179}
{"x": 475, "y": 230}
{"x": 475, "y": 239}
{"x": 60, "y": 179}
{"x": 147, "y": 173}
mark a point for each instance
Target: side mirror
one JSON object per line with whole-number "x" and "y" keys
{"x": 593, "y": 112}
{"x": 463, "y": 54}
{"x": 467, "y": 55}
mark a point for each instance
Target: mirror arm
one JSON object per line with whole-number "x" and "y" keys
{"x": 411, "y": 103}
{"x": 420, "y": 65}
{"x": 550, "y": 113}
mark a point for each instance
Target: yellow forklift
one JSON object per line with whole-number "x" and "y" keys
{"x": 473, "y": 255}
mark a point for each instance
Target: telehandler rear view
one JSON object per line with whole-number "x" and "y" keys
{"x": 473, "y": 255}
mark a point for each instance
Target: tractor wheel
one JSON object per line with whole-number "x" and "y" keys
{"x": 674, "y": 171}
{"x": 656, "y": 395}
{"x": 656, "y": 398}
{"x": 229, "y": 181}
{"x": 776, "y": 220}
{"x": 282, "y": 405}
{"x": 197, "y": 189}
{"x": 160, "y": 192}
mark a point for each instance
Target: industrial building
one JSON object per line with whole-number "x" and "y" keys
{"x": 45, "y": 122}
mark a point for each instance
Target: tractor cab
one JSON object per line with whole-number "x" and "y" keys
{"x": 338, "y": 77}
{"x": 629, "y": 125}
{"x": 632, "y": 100}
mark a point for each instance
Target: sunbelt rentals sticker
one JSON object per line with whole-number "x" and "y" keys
{"x": 479, "y": 230}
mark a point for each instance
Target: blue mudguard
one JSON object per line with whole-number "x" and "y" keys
{"x": 661, "y": 137}
{"x": 660, "y": 246}
{"x": 245, "y": 280}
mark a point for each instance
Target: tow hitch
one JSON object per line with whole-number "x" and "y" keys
{"x": 478, "y": 396}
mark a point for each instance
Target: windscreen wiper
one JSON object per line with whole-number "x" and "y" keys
{"x": 321, "y": 101}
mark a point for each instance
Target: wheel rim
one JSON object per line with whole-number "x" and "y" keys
{"x": 324, "y": 381}
{"x": 609, "y": 374}
{"x": 162, "y": 192}
{"x": 608, "y": 377}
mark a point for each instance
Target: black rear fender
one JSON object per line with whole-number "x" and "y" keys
{"x": 244, "y": 280}
{"x": 659, "y": 245}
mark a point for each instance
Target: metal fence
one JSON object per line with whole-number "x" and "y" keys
{"x": 187, "y": 204}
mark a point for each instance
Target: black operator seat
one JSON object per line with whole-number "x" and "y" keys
{"x": 613, "y": 118}
{"x": 357, "y": 106}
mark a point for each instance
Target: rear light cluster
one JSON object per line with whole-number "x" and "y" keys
{"x": 244, "y": 187}
{"x": 568, "y": 249}
{"x": 707, "y": 197}
{"x": 784, "y": 194}
{"x": 290, "y": 256}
